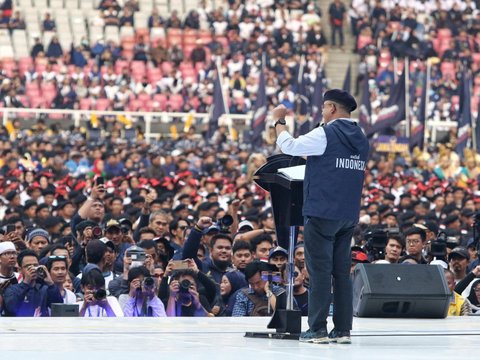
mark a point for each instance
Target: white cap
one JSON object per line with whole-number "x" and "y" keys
{"x": 245, "y": 223}
{"x": 442, "y": 263}
{"x": 7, "y": 246}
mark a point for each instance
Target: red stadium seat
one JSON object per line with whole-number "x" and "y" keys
{"x": 85, "y": 104}
{"x": 444, "y": 33}
{"x": 162, "y": 100}
{"x": 102, "y": 104}
{"x": 135, "y": 105}
{"x": 176, "y": 102}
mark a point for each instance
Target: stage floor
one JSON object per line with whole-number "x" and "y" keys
{"x": 223, "y": 338}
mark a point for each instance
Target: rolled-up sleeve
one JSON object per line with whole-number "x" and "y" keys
{"x": 312, "y": 144}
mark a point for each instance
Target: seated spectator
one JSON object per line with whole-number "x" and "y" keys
{"x": 95, "y": 302}
{"x": 6, "y": 8}
{"x": 106, "y": 4}
{"x": 261, "y": 298}
{"x": 474, "y": 297}
{"x": 192, "y": 21}
{"x": 4, "y": 22}
{"x": 155, "y": 20}
{"x": 458, "y": 305}
{"x": 231, "y": 282}
{"x": 174, "y": 21}
{"x": 132, "y": 5}
{"x": 415, "y": 239}
{"x": 394, "y": 248}
{"x": 48, "y": 23}
{"x": 458, "y": 262}
{"x": 127, "y": 18}
{"x": 142, "y": 299}
{"x": 54, "y": 49}
{"x": 140, "y": 51}
{"x": 184, "y": 299}
{"x": 34, "y": 295}
{"x": 37, "y": 48}
{"x": 110, "y": 16}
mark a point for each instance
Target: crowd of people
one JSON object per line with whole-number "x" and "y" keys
{"x": 172, "y": 65}
{"x": 443, "y": 32}
{"x": 178, "y": 227}
{"x": 140, "y": 219}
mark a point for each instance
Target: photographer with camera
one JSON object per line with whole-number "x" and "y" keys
{"x": 141, "y": 299}
{"x": 95, "y": 254}
{"x": 34, "y": 295}
{"x": 92, "y": 209}
{"x": 95, "y": 301}
{"x": 85, "y": 231}
{"x": 184, "y": 299}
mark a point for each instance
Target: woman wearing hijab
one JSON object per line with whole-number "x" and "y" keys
{"x": 231, "y": 282}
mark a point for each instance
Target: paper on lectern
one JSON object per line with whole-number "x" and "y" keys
{"x": 294, "y": 172}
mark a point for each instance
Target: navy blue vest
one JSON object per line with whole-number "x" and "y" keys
{"x": 333, "y": 182}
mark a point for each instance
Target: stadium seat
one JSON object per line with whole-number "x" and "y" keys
{"x": 102, "y": 104}
{"x": 162, "y": 100}
{"x": 85, "y": 104}
{"x": 176, "y": 102}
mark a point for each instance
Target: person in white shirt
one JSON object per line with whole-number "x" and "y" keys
{"x": 95, "y": 302}
{"x": 57, "y": 267}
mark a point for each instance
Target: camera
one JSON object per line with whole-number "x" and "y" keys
{"x": 148, "y": 282}
{"x": 438, "y": 247}
{"x": 100, "y": 294}
{"x": 97, "y": 232}
{"x": 41, "y": 274}
{"x": 137, "y": 254}
{"x": 185, "y": 286}
{"x": 376, "y": 240}
{"x": 224, "y": 224}
{"x": 10, "y": 228}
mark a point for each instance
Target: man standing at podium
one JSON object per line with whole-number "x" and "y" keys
{"x": 336, "y": 155}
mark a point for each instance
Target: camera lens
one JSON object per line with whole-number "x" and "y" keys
{"x": 124, "y": 230}
{"x": 100, "y": 294}
{"x": 148, "y": 282}
{"x": 40, "y": 272}
{"x": 97, "y": 232}
{"x": 227, "y": 220}
{"x": 185, "y": 286}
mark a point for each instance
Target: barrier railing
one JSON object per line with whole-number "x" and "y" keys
{"x": 159, "y": 124}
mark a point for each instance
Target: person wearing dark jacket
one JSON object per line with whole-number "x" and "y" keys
{"x": 33, "y": 296}
{"x": 54, "y": 49}
{"x": 220, "y": 258}
{"x": 337, "y": 153}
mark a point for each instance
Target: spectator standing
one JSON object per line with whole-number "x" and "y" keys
{"x": 337, "y": 13}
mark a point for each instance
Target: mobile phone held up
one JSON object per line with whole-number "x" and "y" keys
{"x": 100, "y": 180}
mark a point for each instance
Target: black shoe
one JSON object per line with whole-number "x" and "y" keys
{"x": 340, "y": 337}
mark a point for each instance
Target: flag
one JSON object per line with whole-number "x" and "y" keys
{"x": 365, "y": 115}
{"x": 173, "y": 132}
{"x": 188, "y": 123}
{"x": 94, "y": 121}
{"x": 348, "y": 79}
{"x": 259, "y": 113}
{"x": 218, "y": 107}
{"x": 302, "y": 125}
{"x": 465, "y": 115}
{"x": 477, "y": 128}
{"x": 418, "y": 132}
{"x": 125, "y": 121}
{"x": 393, "y": 111}
{"x": 317, "y": 99}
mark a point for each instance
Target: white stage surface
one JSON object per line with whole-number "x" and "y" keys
{"x": 223, "y": 338}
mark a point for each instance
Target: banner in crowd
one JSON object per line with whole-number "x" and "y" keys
{"x": 317, "y": 99}
{"x": 348, "y": 79}
{"x": 418, "y": 132}
{"x": 365, "y": 115}
{"x": 391, "y": 144}
{"x": 464, "y": 115}
{"x": 259, "y": 112}
{"x": 302, "y": 125}
{"x": 218, "y": 107}
{"x": 394, "y": 110}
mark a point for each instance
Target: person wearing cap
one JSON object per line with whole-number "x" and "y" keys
{"x": 299, "y": 255}
{"x": 278, "y": 257}
{"x": 37, "y": 239}
{"x": 113, "y": 232}
{"x": 337, "y": 153}
{"x": 458, "y": 260}
{"x": 358, "y": 257}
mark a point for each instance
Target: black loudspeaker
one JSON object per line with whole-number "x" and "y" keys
{"x": 410, "y": 291}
